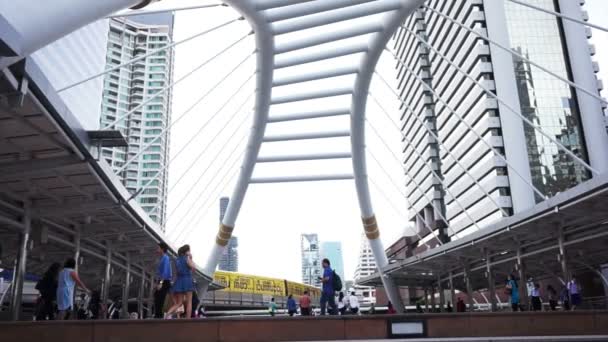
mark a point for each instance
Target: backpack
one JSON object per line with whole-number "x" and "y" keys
{"x": 337, "y": 282}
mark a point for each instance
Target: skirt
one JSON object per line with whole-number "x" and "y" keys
{"x": 183, "y": 284}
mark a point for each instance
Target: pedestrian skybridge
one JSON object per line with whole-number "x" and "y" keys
{"x": 58, "y": 197}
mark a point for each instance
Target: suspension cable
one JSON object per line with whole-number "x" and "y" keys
{"x": 386, "y": 173}
{"x": 152, "y": 52}
{"x": 195, "y": 136}
{"x": 461, "y": 119}
{"x": 516, "y": 54}
{"x": 211, "y": 141}
{"x": 203, "y": 150}
{"x": 420, "y": 157}
{"x": 227, "y": 179}
{"x": 448, "y": 150}
{"x": 398, "y": 212}
{"x": 173, "y": 9}
{"x": 412, "y": 178}
{"x": 145, "y": 147}
{"x": 170, "y": 86}
{"x": 232, "y": 166}
{"x": 561, "y": 15}
{"x": 215, "y": 175}
{"x": 493, "y": 95}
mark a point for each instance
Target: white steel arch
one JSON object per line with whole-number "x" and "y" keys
{"x": 269, "y": 18}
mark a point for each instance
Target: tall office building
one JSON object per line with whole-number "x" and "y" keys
{"x": 366, "y": 265}
{"x": 229, "y": 261}
{"x": 311, "y": 263}
{"x": 332, "y": 250}
{"x": 546, "y": 101}
{"x": 124, "y": 90}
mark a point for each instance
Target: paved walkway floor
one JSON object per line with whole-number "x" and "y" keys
{"x": 590, "y": 338}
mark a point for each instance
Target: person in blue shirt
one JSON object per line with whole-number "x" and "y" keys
{"x": 328, "y": 294}
{"x": 163, "y": 278}
{"x": 291, "y": 306}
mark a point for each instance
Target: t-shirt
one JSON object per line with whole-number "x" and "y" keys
{"x": 353, "y": 301}
{"x": 291, "y": 304}
{"x": 305, "y": 302}
{"x": 164, "y": 268}
{"x": 328, "y": 286}
{"x": 573, "y": 287}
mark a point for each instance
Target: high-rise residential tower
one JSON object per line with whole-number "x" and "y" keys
{"x": 366, "y": 266}
{"x": 332, "y": 250}
{"x": 311, "y": 263}
{"x": 124, "y": 91}
{"x": 548, "y": 102}
{"x": 229, "y": 261}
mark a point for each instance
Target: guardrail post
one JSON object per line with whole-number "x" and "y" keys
{"x": 441, "y": 294}
{"x": 491, "y": 284}
{"x": 467, "y": 280}
{"x": 19, "y": 274}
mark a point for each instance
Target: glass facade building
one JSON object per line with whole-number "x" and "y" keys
{"x": 332, "y": 250}
{"x": 229, "y": 260}
{"x": 443, "y": 195}
{"x": 124, "y": 91}
{"x": 311, "y": 262}
{"x": 546, "y": 101}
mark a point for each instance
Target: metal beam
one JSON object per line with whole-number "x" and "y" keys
{"x": 303, "y": 157}
{"x": 307, "y": 136}
{"x": 300, "y": 179}
{"x": 74, "y": 208}
{"x": 21, "y": 262}
{"x": 309, "y": 115}
{"x": 32, "y": 167}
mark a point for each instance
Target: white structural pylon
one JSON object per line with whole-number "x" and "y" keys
{"x": 301, "y": 15}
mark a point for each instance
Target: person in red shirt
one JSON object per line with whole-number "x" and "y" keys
{"x": 305, "y": 304}
{"x": 391, "y": 309}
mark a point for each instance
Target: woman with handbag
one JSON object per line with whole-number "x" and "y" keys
{"x": 512, "y": 291}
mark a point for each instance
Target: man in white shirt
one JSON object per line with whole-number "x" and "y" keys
{"x": 353, "y": 302}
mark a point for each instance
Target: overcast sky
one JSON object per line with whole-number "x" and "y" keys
{"x": 273, "y": 216}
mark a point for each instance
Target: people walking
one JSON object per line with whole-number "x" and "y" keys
{"x": 512, "y": 290}
{"x": 67, "y": 280}
{"x": 292, "y": 309}
{"x": 47, "y": 286}
{"x": 535, "y": 298}
{"x": 552, "y": 296}
{"x": 449, "y": 307}
{"x": 272, "y": 307}
{"x": 460, "y": 305}
{"x": 184, "y": 285}
{"x": 328, "y": 294}
{"x": 391, "y": 309}
{"x": 575, "y": 293}
{"x": 305, "y": 304}
{"x": 564, "y": 297}
{"x": 163, "y": 277}
{"x": 342, "y": 304}
{"x": 353, "y": 303}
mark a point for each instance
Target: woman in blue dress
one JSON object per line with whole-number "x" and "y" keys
{"x": 68, "y": 279}
{"x": 184, "y": 285}
{"x": 513, "y": 291}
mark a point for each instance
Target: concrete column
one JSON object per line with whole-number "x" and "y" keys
{"x": 491, "y": 282}
{"x": 140, "y": 295}
{"x": 429, "y": 217}
{"x": 433, "y": 301}
{"x": 107, "y": 276}
{"x": 125, "y": 290}
{"x": 562, "y": 254}
{"x": 426, "y": 299}
{"x": 21, "y": 262}
{"x": 592, "y": 115}
{"x": 151, "y": 295}
{"x": 452, "y": 290}
{"x": 441, "y": 295}
{"x": 512, "y": 125}
{"x": 77, "y": 248}
{"x": 420, "y": 224}
{"x": 521, "y": 272}
{"x": 467, "y": 280}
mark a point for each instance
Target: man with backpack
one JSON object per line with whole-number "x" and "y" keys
{"x": 331, "y": 281}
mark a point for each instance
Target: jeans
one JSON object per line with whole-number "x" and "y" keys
{"x": 325, "y": 299}
{"x": 159, "y": 298}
